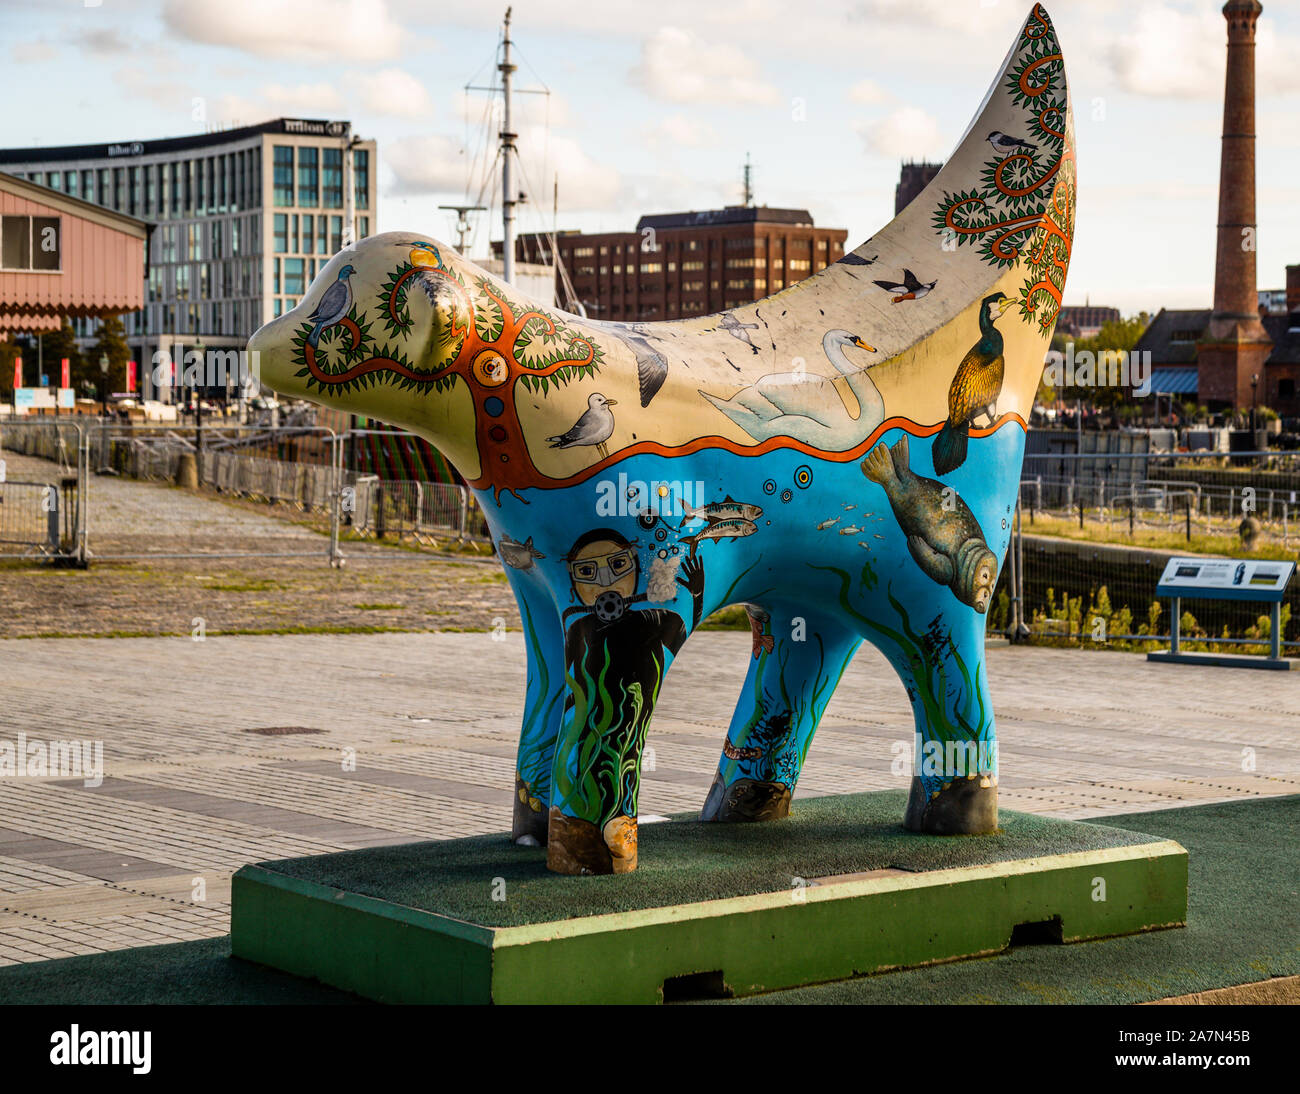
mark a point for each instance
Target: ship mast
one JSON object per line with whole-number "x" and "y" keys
{"x": 507, "y": 151}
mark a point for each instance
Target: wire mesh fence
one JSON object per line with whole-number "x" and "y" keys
{"x": 1092, "y": 535}
{"x": 29, "y": 519}
{"x": 1095, "y": 532}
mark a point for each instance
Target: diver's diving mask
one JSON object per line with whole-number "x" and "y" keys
{"x": 603, "y": 570}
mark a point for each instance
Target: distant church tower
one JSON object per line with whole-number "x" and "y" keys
{"x": 1235, "y": 345}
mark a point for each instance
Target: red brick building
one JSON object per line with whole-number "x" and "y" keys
{"x": 682, "y": 264}
{"x": 1232, "y": 356}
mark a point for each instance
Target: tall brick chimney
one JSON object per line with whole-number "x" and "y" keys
{"x": 1235, "y": 345}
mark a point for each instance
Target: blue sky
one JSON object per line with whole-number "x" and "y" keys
{"x": 654, "y": 106}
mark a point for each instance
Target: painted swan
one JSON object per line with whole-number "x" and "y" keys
{"x": 807, "y": 406}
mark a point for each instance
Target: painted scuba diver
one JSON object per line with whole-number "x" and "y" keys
{"x": 616, "y": 653}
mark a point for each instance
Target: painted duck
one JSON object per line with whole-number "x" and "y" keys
{"x": 975, "y": 388}
{"x": 806, "y": 406}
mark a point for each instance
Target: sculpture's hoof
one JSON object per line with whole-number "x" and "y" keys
{"x": 967, "y": 806}
{"x": 529, "y": 822}
{"x": 577, "y": 846}
{"x": 746, "y": 800}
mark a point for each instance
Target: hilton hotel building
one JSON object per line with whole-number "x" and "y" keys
{"x": 241, "y": 219}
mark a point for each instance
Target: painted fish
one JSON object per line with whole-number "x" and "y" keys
{"x": 848, "y": 507}
{"x": 851, "y": 530}
{"x": 827, "y": 524}
{"x": 733, "y": 528}
{"x": 946, "y": 541}
{"x": 518, "y": 556}
{"x": 733, "y": 753}
{"x": 726, "y": 509}
{"x": 759, "y": 619}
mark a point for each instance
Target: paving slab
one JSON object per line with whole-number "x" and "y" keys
{"x": 416, "y": 742}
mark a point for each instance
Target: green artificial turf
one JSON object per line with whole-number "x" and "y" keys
{"x": 1243, "y": 926}
{"x": 684, "y": 861}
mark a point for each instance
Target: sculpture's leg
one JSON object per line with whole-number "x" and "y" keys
{"x": 797, "y": 661}
{"x": 954, "y": 787}
{"x": 543, "y": 707}
{"x": 597, "y": 772}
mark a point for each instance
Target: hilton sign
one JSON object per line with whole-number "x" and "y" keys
{"x": 315, "y": 129}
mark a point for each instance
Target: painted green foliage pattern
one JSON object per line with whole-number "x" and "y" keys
{"x": 1003, "y": 216}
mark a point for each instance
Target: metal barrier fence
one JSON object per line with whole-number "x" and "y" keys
{"x": 29, "y": 519}
{"x": 1089, "y": 541}
{"x": 1093, "y": 533}
{"x": 295, "y": 467}
{"x": 418, "y": 509}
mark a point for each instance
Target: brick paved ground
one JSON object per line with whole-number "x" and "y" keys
{"x": 190, "y": 795}
{"x": 378, "y": 588}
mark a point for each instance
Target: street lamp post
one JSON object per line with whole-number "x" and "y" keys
{"x": 198, "y": 408}
{"x": 103, "y": 385}
{"x": 1254, "y": 402}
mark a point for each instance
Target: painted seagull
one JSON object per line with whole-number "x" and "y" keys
{"x": 909, "y": 289}
{"x": 737, "y": 329}
{"x": 334, "y": 305}
{"x": 1002, "y": 144}
{"x": 593, "y": 428}
{"x": 855, "y": 259}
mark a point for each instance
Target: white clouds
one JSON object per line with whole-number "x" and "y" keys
{"x": 32, "y": 53}
{"x": 869, "y": 93}
{"x": 585, "y": 184}
{"x": 435, "y": 165}
{"x": 302, "y": 100}
{"x": 906, "y": 133}
{"x": 391, "y": 91}
{"x": 679, "y": 131}
{"x": 679, "y": 66}
{"x": 311, "y": 30}
{"x": 1169, "y": 53}
{"x": 431, "y": 164}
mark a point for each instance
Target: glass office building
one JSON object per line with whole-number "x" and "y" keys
{"x": 241, "y": 220}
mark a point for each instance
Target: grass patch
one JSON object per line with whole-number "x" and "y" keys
{"x": 379, "y": 607}
{"x": 1201, "y": 543}
{"x": 251, "y": 585}
{"x": 733, "y": 618}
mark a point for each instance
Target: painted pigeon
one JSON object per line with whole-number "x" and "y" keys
{"x": 593, "y": 428}
{"x": 335, "y": 303}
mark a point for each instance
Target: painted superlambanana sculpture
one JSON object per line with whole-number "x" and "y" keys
{"x": 843, "y": 458}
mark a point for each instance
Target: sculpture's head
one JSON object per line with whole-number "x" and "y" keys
{"x": 379, "y": 332}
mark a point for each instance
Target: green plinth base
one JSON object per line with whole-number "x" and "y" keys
{"x": 835, "y": 891}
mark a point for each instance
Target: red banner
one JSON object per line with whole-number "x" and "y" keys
{"x": 67, "y": 377}
{"x": 18, "y": 372}
{"x": 130, "y": 376}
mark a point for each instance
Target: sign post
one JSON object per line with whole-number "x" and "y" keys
{"x": 1224, "y": 579}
